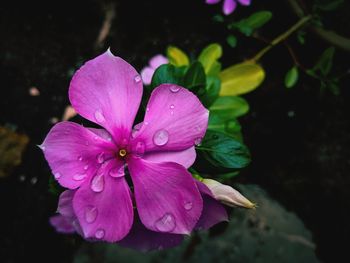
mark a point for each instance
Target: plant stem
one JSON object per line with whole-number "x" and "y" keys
{"x": 281, "y": 37}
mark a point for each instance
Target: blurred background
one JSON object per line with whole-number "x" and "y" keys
{"x": 299, "y": 138}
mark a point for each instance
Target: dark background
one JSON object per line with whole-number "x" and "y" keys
{"x": 299, "y": 138}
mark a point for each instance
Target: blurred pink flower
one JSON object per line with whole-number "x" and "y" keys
{"x": 153, "y": 64}
{"x": 229, "y": 5}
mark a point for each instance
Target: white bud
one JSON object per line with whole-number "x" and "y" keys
{"x": 227, "y": 195}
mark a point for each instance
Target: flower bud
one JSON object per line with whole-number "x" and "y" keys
{"x": 227, "y": 195}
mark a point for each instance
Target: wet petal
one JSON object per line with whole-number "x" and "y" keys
{"x": 186, "y": 157}
{"x": 166, "y": 195}
{"x": 142, "y": 239}
{"x": 103, "y": 206}
{"x": 175, "y": 120}
{"x": 62, "y": 224}
{"x": 65, "y": 207}
{"x": 157, "y": 61}
{"x": 229, "y": 6}
{"x": 72, "y": 152}
{"x": 107, "y": 90}
{"x": 213, "y": 211}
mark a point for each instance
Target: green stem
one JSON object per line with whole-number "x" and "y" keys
{"x": 281, "y": 37}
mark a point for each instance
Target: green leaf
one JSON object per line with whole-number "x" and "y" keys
{"x": 168, "y": 73}
{"x": 227, "y": 176}
{"x": 230, "y": 107}
{"x": 329, "y": 5}
{"x": 177, "y": 57}
{"x": 253, "y": 22}
{"x": 291, "y": 77}
{"x": 195, "y": 76}
{"x": 241, "y": 78}
{"x": 209, "y": 57}
{"x": 231, "y": 41}
{"x": 222, "y": 150}
{"x": 325, "y": 62}
{"x": 212, "y": 90}
{"x": 219, "y": 123}
{"x": 218, "y": 18}
{"x": 301, "y": 36}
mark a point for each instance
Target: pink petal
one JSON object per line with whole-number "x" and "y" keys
{"x": 211, "y": 2}
{"x": 73, "y": 151}
{"x": 142, "y": 239}
{"x": 62, "y": 224}
{"x": 229, "y": 6}
{"x": 213, "y": 211}
{"x": 107, "y": 90}
{"x": 175, "y": 120}
{"x": 65, "y": 207}
{"x": 157, "y": 61}
{"x": 244, "y": 2}
{"x": 103, "y": 206}
{"x": 186, "y": 157}
{"x": 147, "y": 74}
{"x": 166, "y": 195}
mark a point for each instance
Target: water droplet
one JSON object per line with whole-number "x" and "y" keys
{"x": 198, "y": 141}
{"x": 188, "y": 205}
{"x": 161, "y": 137}
{"x": 138, "y": 126}
{"x": 140, "y": 148}
{"x": 42, "y": 147}
{"x": 99, "y": 116}
{"x": 57, "y": 175}
{"x": 97, "y": 183}
{"x": 34, "y": 180}
{"x": 146, "y": 122}
{"x": 117, "y": 172}
{"x": 100, "y": 233}
{"x": 147, "y": 109}
{"x": 86, "y": 167}
{"x": 174, "y": 88}
{"x": 172, "y": 112}
{"x": 79, "y": 177}
{"x": 137, "y": 78}
{"x": 100, "y": 158}
{"x": 90, "y": 214}
{"x": 80, "y": 158}
{"x": 172, "y": 106}
{"x": 166, "y": 223}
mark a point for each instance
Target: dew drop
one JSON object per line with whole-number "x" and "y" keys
{"x": 100, "y": 158}
{"x": 161, "y": 137}
{"x": 80, "y": 158}
{"x": 140, "y": 148}
{"x": 147, "y": 109}
{"x": 137, "y": 78}
{"x": 97, "y": 183}
{"x": 172, "y": 106}
{"x": 100, "y": 233}
{"x": 166, "y": 223}
{"x": 174, "y": 88}
{"x": 86, "y": 167}
{"x": 198, "y": 141}
{"x": 90, "y": 214}
{"x": 57, "y": 175}
{"x": 79, "y": 177}
{"x": 188, "y": 205}
{"x": 117, "y": 172}
{"x": 99, "y": 116}
{"x": 146, "y": 123}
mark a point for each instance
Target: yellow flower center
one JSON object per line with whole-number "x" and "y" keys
{"x": 122, "y": 153}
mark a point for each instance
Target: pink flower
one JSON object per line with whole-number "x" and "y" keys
{"x": 154, "y": 63}
{"x": 90, "y": 162}
{"x": 229, "y": 5}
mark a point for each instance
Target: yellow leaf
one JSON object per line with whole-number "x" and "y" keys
{"x": 241, "y": 78}
{"x": 209, "y": 57}
{"x": 177, "y": 57}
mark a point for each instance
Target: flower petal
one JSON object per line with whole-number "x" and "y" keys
{"x": 175, "y": 120}
{"x": 213, "y": 211}
{"x": 229, "y": 6}
{"x": 107, "y": 90}
{"x": 72, "y": 150}
{"x": 166, "y": 195}
{"x": 140, "y": 238}
{"x": 103, "y": 206}
{"x": 186, "y": 157}
{"x": 244, "y": 2}
{"x": 157, "y": 61}
{"x": 62, "y": 224}
{"x": 147, "y": 74}
{"x": 65, "y": 207}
